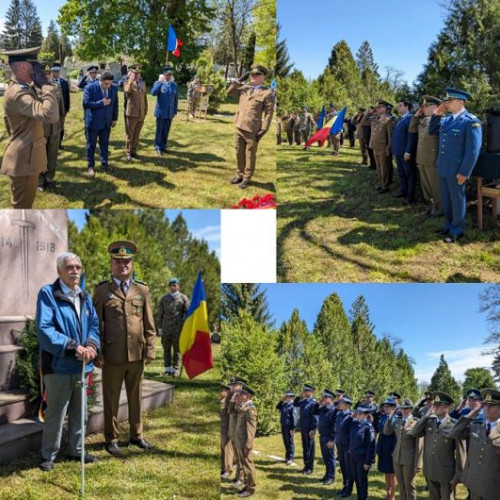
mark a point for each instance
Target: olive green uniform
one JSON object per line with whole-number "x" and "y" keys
{"x": 380, "y": 141}
{"x": 227, "y": 451}
{"x": 246, "y": 426}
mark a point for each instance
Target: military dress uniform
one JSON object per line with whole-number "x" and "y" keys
{"x": 230, "y": 449}
{"x": 444, "y": 457}
{"x": 306, "y": 125}
{"x": 246, "y": 427}
{"x": 289, "y": 124}
{"x": 127, "y": 339}
{"x": 361, "y": 452}
{"x": 380, "y": 141}
{"x": 343, "y": 419}
{"x": 407, "y": 454}
{"x": 227, "y": 452}
{"x": 25, "y": 156}
{"x": 459, "y": 147}
{"x": 171, "y": 316}
{"x": 254, "y": 115}
{"x": 326, "y": 429}
{"x": 192, "y": 95}
{"x": 481, "y": 473}
{"x": 427, "y": 147}
{"x": 136, "y": 109}
{"x": 288, "y": 421}
{"x": 308, "y": 422}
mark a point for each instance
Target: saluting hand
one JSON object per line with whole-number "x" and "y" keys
{"x": 311, "y": 434}
{"x": 420, "y": 111}
{"x": 407, "y": 157}
{"x": 441, "y": 109}
{"x": 366, "y": 466}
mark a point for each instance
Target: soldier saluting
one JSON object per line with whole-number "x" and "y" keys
{"x": 25, "y": 156}
{"x": 253, "y": 120}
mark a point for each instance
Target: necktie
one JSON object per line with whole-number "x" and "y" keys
{"x": 438, "y": 424}
{"x": 488, "y": 428}
{"x": 124, "y": 288}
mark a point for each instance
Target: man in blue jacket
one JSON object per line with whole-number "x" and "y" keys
{"x": 308, "y": 422}
{"x": 100, "y": 100}
{"x": 403, "y": 147}
{"x": 167, "y": 103}
{"x": 460, "y": 138}
{"x": 343, "y": 419}
{"x": 288, "y": 420}
{"x": 68, "y": 333}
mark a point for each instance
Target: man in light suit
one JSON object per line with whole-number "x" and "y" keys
{"x": 100, "y": 101}
{"x": 403, "y": 147}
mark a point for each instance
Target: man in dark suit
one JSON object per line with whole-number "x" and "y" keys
{"x": 100, "y": 100}
{"x": 403, "y": 146}
{"x": 56, "y": 77}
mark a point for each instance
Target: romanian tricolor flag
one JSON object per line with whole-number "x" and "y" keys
{"x": 194, "y": 342}
{"x": 174, "y": 44}
{"x": 333, "y": 126}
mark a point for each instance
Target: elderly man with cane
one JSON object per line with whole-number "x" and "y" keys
{"x": 68, "y": 334}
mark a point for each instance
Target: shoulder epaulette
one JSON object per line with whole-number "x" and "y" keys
{"x": 140, "y": 282}
{"x": 103, "y": 282}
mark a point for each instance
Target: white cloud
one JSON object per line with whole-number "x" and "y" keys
{"x": 211, "y": 234}
{"x": 458, "y": 361}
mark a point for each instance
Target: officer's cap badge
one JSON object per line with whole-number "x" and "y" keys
{"x": 488, "y": 397}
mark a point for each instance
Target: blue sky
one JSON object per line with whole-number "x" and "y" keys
{"x": 203, "y": 224}
{"x": 399, "y": 32}
{"x": 430, "y": 319}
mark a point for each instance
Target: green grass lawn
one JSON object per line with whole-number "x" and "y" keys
{"x": 194, "y": 175}
{"x": 333, "y": 226}
{"x": 277, "y": 481}
{"x": 184, "y": 465}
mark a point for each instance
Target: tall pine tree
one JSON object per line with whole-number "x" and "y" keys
{"x": 442, "y": 380}
{"x": 249, "y": 297}
{"x": 22, "y": 28}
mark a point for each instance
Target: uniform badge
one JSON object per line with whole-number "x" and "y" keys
{"x": 476, "y": 124}
{"x": 111, "y": 295}
{"x": 87, "y": 312}
{"x": 488, "y": 398}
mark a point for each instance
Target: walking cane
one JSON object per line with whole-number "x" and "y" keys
{"x": 83, "y": 384}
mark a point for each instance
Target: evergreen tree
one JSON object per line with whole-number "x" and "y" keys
{"x": 247, "y": 297}
{"x": 477, "y": 378}
{"x": 22, "y": 28}
{"x": 249, "y": 51}
{"x": 50, "y": 45}
{"x": 490, "y": 304}
{"x": 443, "y": 381}
{"x": 265, "y": 27}
{"x": 12, "y": 33}
{"x": 32, "y": 27}
{"x": 366, "y": 61}
{"x": 249, "y": 350}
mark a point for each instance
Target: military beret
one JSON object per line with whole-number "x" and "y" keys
{"x": 407, "y": 403}
{"x": 381, "y": 102}
{"x": 258, "y": 69}
{"x": 395, "y": 395}
{"x": 441, "y": 398}
{"x": 247, "y": 390}
{"x": 55, "y": 68}
{"x": 20, "y": 55}
{"x": 362, "y": 409}
{"x": 308, "y": 387}
{"x": 224, "y": 387}
{"x": 135, "y": 68}
{"x": 369, "y": 393}
{"x": 92, "y": 68}
{"x": 290, "y": 394}
{"x": 173, "y": 281}
{"x": 347, "y": 400}
{"x": 452, "y": 93}
{"x": 328, "y": 394}
{"x": 428, "y": 100}
{"x": 474, "y": 394}
{"x": 390, "y": 401}
{"x": 490, "y": 396}
{"x": 122, "y": 249}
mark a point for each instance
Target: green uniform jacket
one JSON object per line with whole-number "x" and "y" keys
{"x": 482, "y": 468}
{"x": 408, "y": 449}
{"x": 246, "y": 425}
{"x": 427, "y": 146}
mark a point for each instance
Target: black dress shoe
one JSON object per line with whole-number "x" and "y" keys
{"x": 328, "y": 481}
{"x": 443, "y": 232}
{"x": 135, "y": 155}
{"x": 244, "y": 184}
{"x": 113, "y": 449}
{"x": 236, "y": 180}
{"x": 453, "y": 238}
{"x": 308, "y": 472}
{"x": 142, "y": 443}
{"x": 46, "y": 465}
{"x": 88, "y": 459}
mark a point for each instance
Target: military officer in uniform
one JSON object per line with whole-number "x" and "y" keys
{"x": 444, "y": 458}
{"x": 333, "y": 140}
{"x": 288, "y": 421}
{"x": 481, "y": 474}
{"x": 226, "y": 453}
{"x": 407, "y": 454}
{"x": 136, "y": 109}
{"x": 326, "y": 412}
{"x": 360, "y": 134}
{"x": 25, "y": 156}
{"x": 52, "y": 133}
{"x": 289, "y": 120}
{"x": 172, "y": 313}
{"x": 90, "y": 77}
{"x": 127, "y": 342}
{"x": 460, "y": 137}
{"x": 235, "y": 386}
{"x": 343, "y": 419}
{"x": 192, "y": 95}
{"x": 306, "y": 124}
{"x": 380, "y": 141}
{"x": 56, "y": 78}
{"x": 253, "y": 119}
{"x": 246, "y": 427}
{"x": 403, "y": 145}
{"x": 361, "y": 450}
{"x": 427, "y": 147}
{"x": 308, "y": 423}
{"x": 471, "y": 401}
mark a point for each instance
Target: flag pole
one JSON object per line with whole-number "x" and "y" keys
{"x": 166, "y": 61}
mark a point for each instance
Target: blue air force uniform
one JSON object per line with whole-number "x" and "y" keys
{"x": 361, "y": 452}
{"x": 343, "y": 419}
{"x": 167, "y": 102}
{"x": 403, "y": 141}
{"x": 460, "y": 140}
{"x": 289, "y": 420}
{"x": 326, "y": 428}
{"x": 307, "y": 422}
